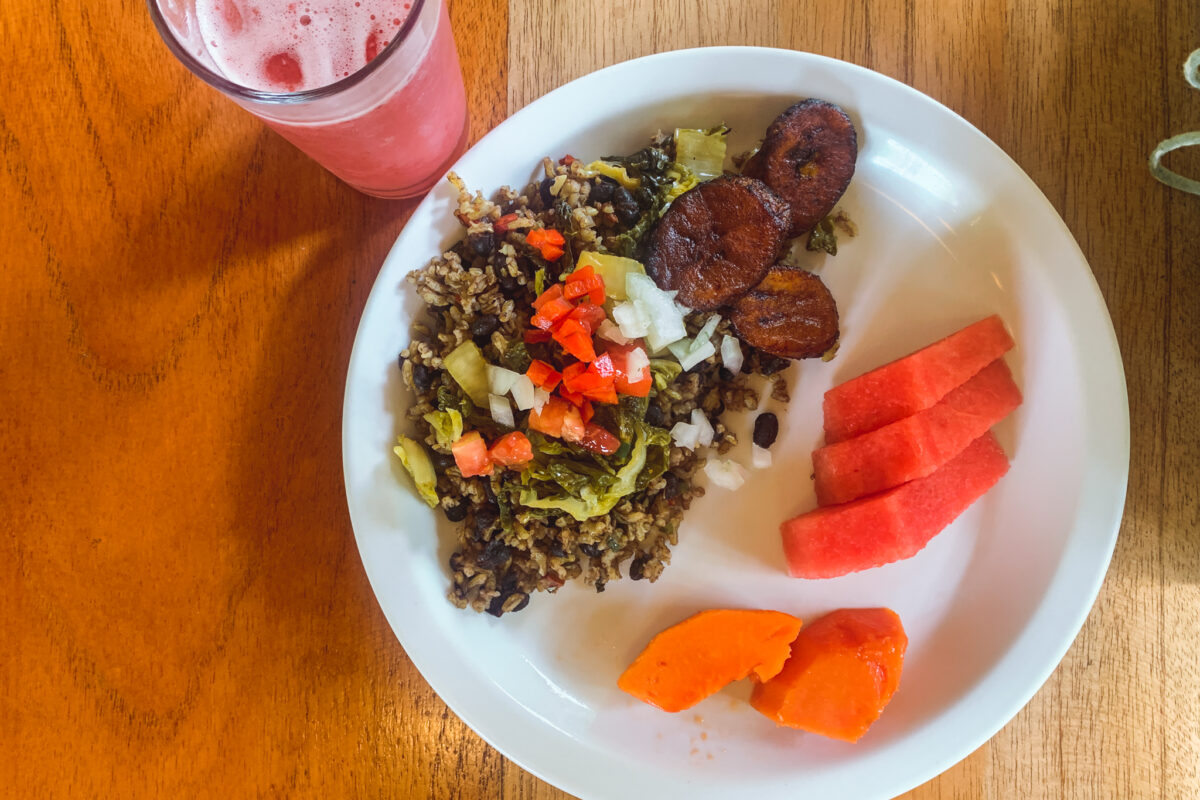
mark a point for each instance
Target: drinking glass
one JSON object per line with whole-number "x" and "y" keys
{"x": 389, "y": 129}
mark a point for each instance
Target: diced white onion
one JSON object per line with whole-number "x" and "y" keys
{"x": 636, "y": 364}
{"x": 760, "y": 457}
{"x": 664, "y": 317}
{"x": 689, "y": 358}
{"x": 501, "y": 411}
{"x": 632, "y": 323}
{"x": 501, "y": 380}
{"x": 725, "y": 473}
{"x": 686, "y": 435}
{"x": 705, "y": 333}
{"x": 522, "y": 392}
{"x": 540, "y": 398}
{"x": 703, "y": 426}
{"x": 611, "y": 332}
{"x": 731, "y": 353}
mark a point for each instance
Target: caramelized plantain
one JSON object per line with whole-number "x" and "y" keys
{"x": 790, "y": 313}
{"x": 808, "y": 158}
{"x": 717, "y": 240}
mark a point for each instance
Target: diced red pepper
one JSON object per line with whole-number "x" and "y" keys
{"x": 543, "y": 375}
{"x": 586, "y": 411}
{"x": 599, "y": 440}
{"x": 553, "y": 293}
{"x": 548, "y": 241}
{"x": 511, "y": 450}
{"x": 551, "y": 312}
{"x": 602, "y": 365}
{"x": 593, "y": 381}
{"x": 589, "y": 316}
{"x": 500, "y": 226}
{"x": 471, "y": 455}
{"x": 567, "y": 160}
{"x": 536, "y": 335}
{"x": 633, "y": 385}
{"x": 603, "y": 394}
{"x": 574, "y": 398}
{"x": 576, "y": 342}
{"x": 585, "y": 281}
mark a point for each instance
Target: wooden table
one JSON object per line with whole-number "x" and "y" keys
{"x": 183, "y": 608}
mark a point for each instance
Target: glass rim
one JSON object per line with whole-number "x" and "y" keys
{"x": 237, "y": 90}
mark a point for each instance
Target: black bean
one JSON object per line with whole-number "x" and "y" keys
{"x": 496, "y": 607}
{"x": 508, "y": 283}
{"x": 457, "y": 512}
{"x": 422, "y": 377}
{"x": 524, "y": 601}
{"x": 656, "y": 416}
{"x": 556, "y": 549}
{"x": 544, "y": 191}
{"x": 456, "y": 562}
{"x": 442, "y": 461}
{"x": 481, "y": 242}
{"x": 625, "y": 207}
{"x": 495, "y": 554}
{"x": 602, "y": 189}
{"x": 674, "y": 486}
{"x": 483, "y": 325}
{"x": 591, "y": 550}
{"x": 725, "y": 374}
{"x": 766, "y": 428}
{"x": 637, "y": 567}
{"x": 486, "y": 518}
{"x": 600, "y": 585}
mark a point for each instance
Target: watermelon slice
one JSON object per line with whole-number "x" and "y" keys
{"x": 913, "y": 383}
{"x": 915, "y": 446}
{"x": 896, "y": 524}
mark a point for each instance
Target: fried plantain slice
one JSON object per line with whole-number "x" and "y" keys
{"x": 717, "y": 240}
{"x": 790, "y": 313}
{"x": 808, "y": 158}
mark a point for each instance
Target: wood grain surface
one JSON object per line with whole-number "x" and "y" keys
{"x": 182, "y": 608}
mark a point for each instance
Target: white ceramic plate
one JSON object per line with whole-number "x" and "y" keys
{"x": 950, "y": 230}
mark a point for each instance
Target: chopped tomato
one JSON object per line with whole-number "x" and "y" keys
{"x": 548, "y": 241}
{"x": 549, "y": 420}
{"x": 511, "y": 450}
{"x": 543, "y": 375}
{"x": 573, "y": 374}
{"x": 589, "y": 316}
{"x": 586, "y": 411}
{"x": 500, "y": 226}
{"x": 567, "y": 160}
{"x": 572, "y": 428}
{"x": 603, "y": 394}
{"x": 599, "y": 440}
{"x": 536, "y": 335}
{"x": 635, "y": 385}
{"x": 471, "y": 455}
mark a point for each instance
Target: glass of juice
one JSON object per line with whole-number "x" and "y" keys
{"x": 370, "y": 89}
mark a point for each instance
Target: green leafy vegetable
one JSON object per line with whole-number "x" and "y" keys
{"x": 447, "y": 425}
{"x": 539, "y": 281}
{"x": 515, "y": 356}
{"x": 420, "y": 468}
{"x": 664, "y": 371}
{"x": 593, "y": 501}
{"x": 701, "y": 152}
{"x": 450, "y": 398}
{"x": 823, "y": 238}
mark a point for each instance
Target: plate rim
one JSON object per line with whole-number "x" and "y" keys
{"x": 1109, "y": 360}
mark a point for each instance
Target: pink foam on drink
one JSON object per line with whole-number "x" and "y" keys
{"x": 293, "y": 45}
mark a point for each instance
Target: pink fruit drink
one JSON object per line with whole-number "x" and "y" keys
{"x": 393, "y": 141}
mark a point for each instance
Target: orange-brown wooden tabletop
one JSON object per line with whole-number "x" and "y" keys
{"x": 182, "y": 607}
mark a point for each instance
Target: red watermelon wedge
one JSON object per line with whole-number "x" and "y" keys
{"x": 913, "y": 383}
{"x": 893, "y": 525}
{"x": 915, "y": 446}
